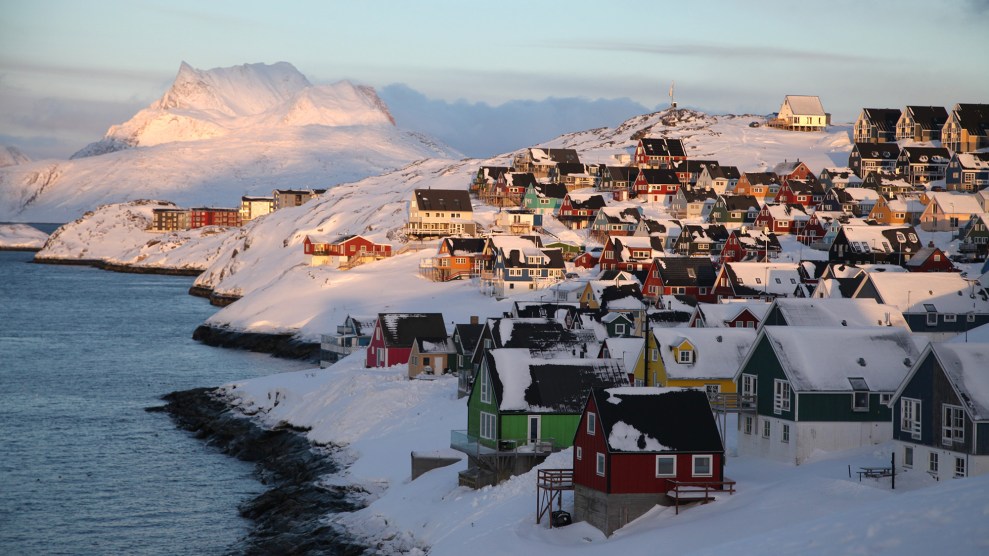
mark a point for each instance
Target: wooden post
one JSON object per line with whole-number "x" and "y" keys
{"x": 892, "y": 466}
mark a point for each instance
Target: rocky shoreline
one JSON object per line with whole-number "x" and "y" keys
{"x": 14, "y": 248}
{"x": 280, "y": 345}
{"x": 117, "y": 267}
{"x": 289, "y": 518}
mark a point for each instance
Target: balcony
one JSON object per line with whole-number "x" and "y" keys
{"x": 481, "y": 448}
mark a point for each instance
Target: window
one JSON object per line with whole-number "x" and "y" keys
{"x": 748, "y": 385}
{"x": 414, "y": 360}
{"x": 654, "y": 355}
{"x": 910, "y": 417}
{"x": 712, "y": 390}
{"x": 931, "y": 318}
{"x": 748, "y": 424}
{"x": 686, "y": 356}
{"x": 950, "y": 317}
{"x": 591, "y": 423}
{"x": 766, "y": 429}
{"x": 885, "y": 398}
{"x": 666, "y": 466}
{"x": 600, "y": 464}
{"x": 908, "y": 456}
{"x": 485, "y": 387}
{"x": 487, "y": 426}
{"x": 620, "y": 329}
{"x": 860, "y": 394}
{"x": 785, "y": 435}
{"x": 952, "y": 424}
{"x": 579, "y": 452}
{"x": 781, "y": 396}
{"x": 702, "y": 466}
{"x": 959, "y": 467}
{"x": 970, "y": 317}
{"x": 932, "y": 462}
{"x": 515, "y": 272}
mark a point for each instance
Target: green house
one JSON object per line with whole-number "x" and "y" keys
{"x": 522, "y": 407}
{"x": 807, "y": 388}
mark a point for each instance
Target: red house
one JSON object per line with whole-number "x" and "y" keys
{"x": 632, "y": 444}
{"x": 657, "y": 152}
{"x": 656, "y": 186}
{"x": 693, "y": 276}
{"x": 630, "y": 253}
{"x": 930, "y": 259}
{"x": 343, "y": 251}
{"x": 394, "y": 334}
{"x": 588, "y": 259}
{"x": 749, "y": 245}
{"x": 793, "y": 169}
{"x": 209, "y": 216}
{"x": 800, "y": 192}
{"x": 781, "y": 219}
{"x": 578, "y": 210}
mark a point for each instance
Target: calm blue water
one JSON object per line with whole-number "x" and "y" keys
{"x": 83, "y": 468}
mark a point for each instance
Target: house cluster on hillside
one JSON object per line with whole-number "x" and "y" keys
{"x": 683, "y": 305}
{"x": 251, "y": 207}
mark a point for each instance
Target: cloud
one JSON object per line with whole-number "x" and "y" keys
{"x": 480, "y": 130}
{"x": 94, "y": 73}
{"x": 719, "y": 51}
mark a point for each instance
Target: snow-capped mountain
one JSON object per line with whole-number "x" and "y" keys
{"x": 216, "y": 135}
{"x": 12, "y": 156}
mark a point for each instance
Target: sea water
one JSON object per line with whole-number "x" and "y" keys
{"x": 83, "y": 468}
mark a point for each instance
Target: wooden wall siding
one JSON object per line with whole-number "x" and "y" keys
{"x": 585, "y": 469}
{"x": 764, "y": 364}
{"x": 838, "y": 407}
{"x": 920, "y": 387}
{"x": 636, "y": 473}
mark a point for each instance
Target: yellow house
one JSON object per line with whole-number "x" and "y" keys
{"x": 698, "y": 357}
{"x": 905, "y": 210}
{"x": 631, "y": 352}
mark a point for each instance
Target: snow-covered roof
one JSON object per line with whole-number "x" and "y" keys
{"x": 648, "y": 419}
{"x": 922, "y": 292}
{"x": 627, "y": 349}
{"x": 718, "y": 315}
{"x": 966, "y": 365}
{"x": 718, "y": 352}
{"x": 558, "y": 385}
{"x": 805, "y": 105}
{"x": 773, "y": 278}
{"x": 861, "y": 194}
{"x": 882, "y": 356}
{"x": 837, "y": 312}
{"x": 956, "y": 203}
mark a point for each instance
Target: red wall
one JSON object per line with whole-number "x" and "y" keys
{"x": 585, "y": 470}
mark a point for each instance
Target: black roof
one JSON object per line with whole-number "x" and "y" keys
{"x": 520, "y": 179}
{"x": 740, "y": 202}
{"x": 658, "y": 146}
{"x": 623, "y": 173}
{"x": 762, "y": 178}
{"x": 926, "y": 155}
{"x": 686, "y": 271}
{"x": 882, "y": 151}
{"x": 592, "y": 202}
{"x": 659, "y": 176}
{"x": 537, "y": 334}
{"x": 973, "y": 117}
{"x": 621, "y": 291}
{"x": 401, "y": 329}
{"x": 443, "y": 199}
{"x": 883, "y": 118}
{"x": 551, "y": 190}
{"x": 516, "y": 259}
{"x": 562, "y": 156}
{"x": 558, "y": 387}
{"x": 469, "y": 334}
{"x": 565, "y": 168}
{"x": 677, "y": 420}
{"x": 465, "y": 244}
{"x": 929, "y": 117}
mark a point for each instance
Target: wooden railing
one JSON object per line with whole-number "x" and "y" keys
{"x": 550, "y": 484}
{"x": 685, "y": 492}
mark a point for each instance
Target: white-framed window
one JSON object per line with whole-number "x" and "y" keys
{"x": 960, "y": 470}
{"x": 712, "y": 390}
{"x": 749, "y": 383}
{"x": 591, "y": 424}
{"x": 748, "y": 424}
{"x": 666, "y": 466}
{"x": 931, "y": 318}
{"x": 908, "y": 456}
{"x": 885, "y": 398}
{"x": 600, "y": 464}
{"x": 703, "y": 466}
{"x": 932, "y": 462}
{"x": 485, "y": 387}
{"x": 686, "y": 356}
{"x": 971, "y": 316}
{"x": 654, "y": 355}
{"x": 952, "y": 424}
{"x": 910, "y": 417}
{"x": 515, "y": 272}
{"x": 620, "y": 329}
{"x": 781, "y": 396}
{"x": 766, "y": 428}
{"x": 785, "y": 434}
{"x": 579, "y": 452}
{"x": 488, "y": 426}
{"x": 860, "y": 400}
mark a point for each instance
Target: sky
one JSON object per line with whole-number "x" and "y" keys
{"x": 69, "y": 70}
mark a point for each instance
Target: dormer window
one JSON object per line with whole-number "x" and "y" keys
{"x": 860, "y": 394}
{"x": 686, "y": 356}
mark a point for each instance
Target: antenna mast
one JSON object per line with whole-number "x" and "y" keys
{"x": 673, "y": 103}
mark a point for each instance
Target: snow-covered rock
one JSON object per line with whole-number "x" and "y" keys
{"x": 21, "y": 236}
{"x": 12, "y": 156}
{"x": 216, "y": 135}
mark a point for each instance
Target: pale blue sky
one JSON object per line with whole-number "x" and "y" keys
{"x": 70, "y": 69}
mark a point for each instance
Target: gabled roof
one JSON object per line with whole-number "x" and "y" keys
{"x": 718, "y": 315}
{"x": 920, "y": 257}
{"x": 660, "y": 420}
{"x": 464, "y": 246}
{"x": 363, "y": 325}
{"x": 751, "y": 278}
{"x": 550, "y": 190}
{"x": 973, "y": 161}
{"x": 620, "y": 215}
{"x": 957, "y": 203}
{"x": 586, "y": 200}
{"x": 880, "y": 355}
{"x": 762, "y": 178}
{"x": 425, "y": 345}
{"x": 929, "y": 117}
{"x": 805, "y": 105}
{"x": 786, "y": 167}
{"x": 401, "y": 329}
{"x": 710, "y": 233}
{"x": 558, "y": 156}
{"x": 621, "y": 297}
{"x": 623, "y": 173}
{"x": 658, "y": 146}
{"x": 879, "y": 151}
{"x": 686, "y": 271}
{"x": 965, "y": 365}
{"x": 654, "y": 176}
{"x": 740, "y": 202}
{"x": 834, "y": 312}
{"x": 544, "y": 309}
{"x": 883, "y": 118}
{"x": 629, "y": 350}
{"x": 535, "y": 385}
{"x": 469, "y": 335}
{"x": 718, "y": 352}
{"x": 973, "y": 117}
{"x": 443, "y": 200}
{"x": 920, "y": 292}
{"x": 547, "y": 258}
{"x": 535, "y": 334}
{"x": 568, "y": 168}
{"x": 926, "y": 155}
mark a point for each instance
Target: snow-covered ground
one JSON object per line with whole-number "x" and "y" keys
{"x": 21, "y": 236}
{"x": 380, "y": 417}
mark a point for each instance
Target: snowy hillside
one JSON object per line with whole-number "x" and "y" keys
{"x": 816, "y": 508}
{"x": 118, "y": 234}
{"x": 12, "y": 156}
{"x": 217, "y": 135}
{"x": 21, "y": 236}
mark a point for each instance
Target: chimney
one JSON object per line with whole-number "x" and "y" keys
{"x": 474, "y": 319}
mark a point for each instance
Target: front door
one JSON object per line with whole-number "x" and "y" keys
{"x": 533, "y": 428}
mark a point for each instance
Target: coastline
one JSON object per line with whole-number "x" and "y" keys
{"x": 118, "y": 267}
{"x": 289, "y": 516}
{"x": 279, "y": 345}
{"x": 16, "y": 248}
